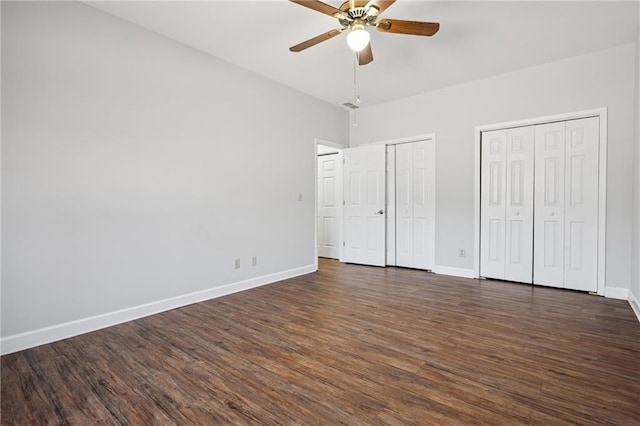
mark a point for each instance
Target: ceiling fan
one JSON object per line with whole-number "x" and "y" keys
{"x": 356, "y": 16}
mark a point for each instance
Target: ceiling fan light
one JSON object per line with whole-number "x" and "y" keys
{"x": 358, "y": 38}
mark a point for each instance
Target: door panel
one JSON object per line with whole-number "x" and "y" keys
{"x": 581, "y": 207}
{"x": 415, "y": 204}
{"x": 519, "y": 205}
{"x": 364, "y": 205}
{"x": 549, "y": 205}
{"x": 404, "y": 205}
{"x": 424, "y": 200}
{"x": 391, "y": 205}
{"x": 328, "y": 205}
{"x": 492, "y": 204}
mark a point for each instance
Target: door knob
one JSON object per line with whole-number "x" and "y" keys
{"x": 517, "y": 213}
{"x": 379, "y": 212}
{"x": 552, "y": 213}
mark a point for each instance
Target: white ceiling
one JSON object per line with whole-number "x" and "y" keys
{"x": 476, "y": 40}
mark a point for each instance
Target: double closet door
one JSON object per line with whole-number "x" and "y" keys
{"x": 539, "y": 204}
{"x": 389, "y": 204}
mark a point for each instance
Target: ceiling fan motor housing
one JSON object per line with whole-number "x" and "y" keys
{"x": 357, "y": 11}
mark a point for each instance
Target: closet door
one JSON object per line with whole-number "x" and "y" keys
{"x": 404, "y": 205}
{"x": 549, "y": 205}
{"x": 391, "y": 205}
{"x": 492, "y": 204}
{"x": 581, "y": 204}
{"x": 415, "y": 204}
{"x": 507, "y": 204}
{"x": 423, "y": 199}
{"x": 519, "y": 205}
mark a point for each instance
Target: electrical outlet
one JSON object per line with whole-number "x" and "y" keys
{"x": 236, "y": 264}
{"x": 254, "y": 261}
{"x": 299, "y": 196}
{"x": 462, "y": 253}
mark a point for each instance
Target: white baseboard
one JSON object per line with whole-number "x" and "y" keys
{"x": 456, "y": 272}
{"x": 30, "y": 339}
{"x": 635, "y": 304}
{"x": 616, "y": 293}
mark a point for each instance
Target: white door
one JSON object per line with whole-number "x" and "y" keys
{"x": 519, "y": 205}
{"x": 404, "y": 205}
{"x": 507, "y": 204}
{"x": 424, "y": 224}
{"x": 390, "y": 209}
{"x": 492, "y": 204}
{"x": 549, "y": 205}
{"x": 328, "y": 205}
{"x": 415, "y": 204}
{"x": 539, "y": 204}
{"x": 364, "y": 196}
{"x": 581, "y": 204}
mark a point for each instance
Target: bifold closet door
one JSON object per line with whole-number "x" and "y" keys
{"x": 391, "y": 205}
{"x": 549, "y": 205}
{"x": 492, "y": 204}
{"x": 581, "y": 204}
{"x": 404, "y": 205}
{"x": 415, "y": 205}
{"x": 566, "y": 205}
{"x": 507, "y": 204}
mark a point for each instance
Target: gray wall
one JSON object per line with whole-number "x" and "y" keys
{"x": 135, "y": 169}
{"x": 601, "y": 79}
{"x": 635, "y": 254}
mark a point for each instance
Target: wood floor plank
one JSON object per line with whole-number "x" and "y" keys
{"x": 348, "y": 344}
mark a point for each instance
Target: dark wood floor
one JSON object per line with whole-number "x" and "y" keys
{"x": 349, "y": 344}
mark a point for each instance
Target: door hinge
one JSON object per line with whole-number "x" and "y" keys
{"x": 344, "y": 203}
{"x": 343, "y": 244}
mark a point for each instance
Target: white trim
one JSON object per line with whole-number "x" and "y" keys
{"x": 332, "y": 144}
{"x": 617, "y": 293}
{"x": 601, "y": 113}
{"x": 635, "y": 304}
{"x": 315, "y": 202}
{"x": 340, "y": 211}
{"x": 408, "y": 139}
{"x": 602, "y": 201}
{"x": 18, "y": 342}
{"x": 544, "y": 119}
{"x": 455, "y": 272}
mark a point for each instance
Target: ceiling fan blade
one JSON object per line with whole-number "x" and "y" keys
{"x": 318, "y": 6}
{"x": 365, "y": 56}
{"x": 315, "y": 40}
{"x": 408, "y": 27}
{"x": 380, "y": 5}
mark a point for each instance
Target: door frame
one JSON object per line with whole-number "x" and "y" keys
{"x": 339, "y": 196}
{"x": 601, "y": 113}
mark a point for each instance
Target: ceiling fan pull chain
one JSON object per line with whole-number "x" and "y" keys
{"x": 356, "y": 96}
{"x": 356, "y": 87}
